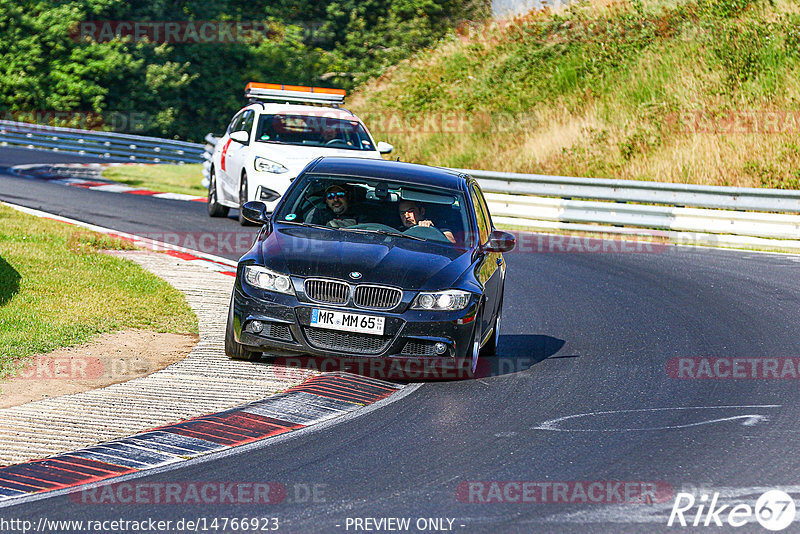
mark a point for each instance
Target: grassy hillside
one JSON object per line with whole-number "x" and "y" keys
{"x": 699, "y": 91}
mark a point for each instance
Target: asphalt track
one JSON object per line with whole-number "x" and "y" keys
{"x": 585, "y": 334}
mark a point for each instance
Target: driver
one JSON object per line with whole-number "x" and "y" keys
{"x": 328, "y": 133}
{"x": 337, "y": 212}
{"x": 412, "y": 214}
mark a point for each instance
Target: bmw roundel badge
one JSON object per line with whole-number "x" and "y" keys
{"x": 355, "y": 275}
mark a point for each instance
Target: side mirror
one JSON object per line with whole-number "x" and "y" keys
{"x": 255, "y": 211}
{"x": 241, "y": 137}
{"x": 384, "y": 147}
{"x": 500, "y": 241}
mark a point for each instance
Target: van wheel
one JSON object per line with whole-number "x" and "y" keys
{"x": 215, "y": 209}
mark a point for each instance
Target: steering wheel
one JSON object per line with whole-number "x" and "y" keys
{"x": 336, "y": 142}
{"x": 425, "y": 233}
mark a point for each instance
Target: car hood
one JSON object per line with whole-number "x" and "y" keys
{"x": 295, "y": 158}
{"x": 381, "y": 259}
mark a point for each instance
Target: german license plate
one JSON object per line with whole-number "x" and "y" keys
{"x": 351, "y": 322}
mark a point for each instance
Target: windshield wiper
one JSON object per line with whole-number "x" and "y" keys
{"x": 382, "y": 232}
{"x": 308, "y": 225}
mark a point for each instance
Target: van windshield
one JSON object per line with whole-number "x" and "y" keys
{"x": 309, "y": 130}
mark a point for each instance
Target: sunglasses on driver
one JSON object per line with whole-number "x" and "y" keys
{"x": 337, "y": 194}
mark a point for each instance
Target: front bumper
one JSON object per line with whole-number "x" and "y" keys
{"x": 408, "y": 334}
{"x": 268, "y": 187}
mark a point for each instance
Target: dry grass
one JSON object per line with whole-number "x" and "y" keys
{"x": 623, "y": 118}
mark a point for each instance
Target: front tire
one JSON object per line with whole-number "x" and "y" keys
{"x": 490, "y": 349}
{"x": 215, "y": 209}
{"x": 233, "y": 349}
{"x": 469, "y": 363}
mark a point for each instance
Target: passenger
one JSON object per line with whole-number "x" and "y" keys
{"x": 411, "y": 214}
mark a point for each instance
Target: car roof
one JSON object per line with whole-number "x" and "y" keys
{"x": 299, "y": 109}
{"x": 390, "y": 170}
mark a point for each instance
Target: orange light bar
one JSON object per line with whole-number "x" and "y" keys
{"x": 298, "y": 88}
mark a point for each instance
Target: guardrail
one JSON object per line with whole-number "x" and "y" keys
{"x": 754, "y": 217}
{"x": 687, "y": 213}
{"x": 109, "y": 145}
{"x": 699, "y": 196}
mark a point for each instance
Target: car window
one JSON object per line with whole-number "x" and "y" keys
{"x": 484, "y": 207}
{"x": 309, "y": 130}
{"x": 236, "y": 123}
{"x": 247, "y": 121}
{"x": 376, "y": 205}
{"x": 483, "y": 224}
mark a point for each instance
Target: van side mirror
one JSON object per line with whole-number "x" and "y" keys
{"x": 241, "y": 137}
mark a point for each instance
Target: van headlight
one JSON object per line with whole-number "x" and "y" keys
{"x": 267, "y": 165}
{"x": 449, "y": 300}
{"x": 264, "y": 278}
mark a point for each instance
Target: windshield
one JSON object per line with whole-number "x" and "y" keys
{"x": 309, "y": 130}
{"x": 373, "y": 205}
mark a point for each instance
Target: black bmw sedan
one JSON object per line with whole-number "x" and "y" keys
{"x": 372, "y": 259}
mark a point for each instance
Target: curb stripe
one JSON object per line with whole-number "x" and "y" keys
{"x": 341, "y": 393}
{"x": 74, "y": 468}
{"x": 46, "y": 172}
{"x": 45, "y": 474}
{"x": 78, "y": 460}
{"x": 6, "y": 493}
{"x": 33, "y": 482}
{"x": 193, "y": 446}
{"x": 318, "y": 399}
{"x": 109, "y": 459}
{"x": 24, "y": 488}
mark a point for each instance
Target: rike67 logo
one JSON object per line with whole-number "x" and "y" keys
{"x": 774, "y": 510}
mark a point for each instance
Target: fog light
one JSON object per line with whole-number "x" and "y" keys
{"x": 440, "y": 348}
{"x": 255, "y": 327}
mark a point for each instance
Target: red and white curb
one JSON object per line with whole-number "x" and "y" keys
{"x": 55, "y": 173}
{"x": 318, "y": 399}
{"x": 215, "y": 263}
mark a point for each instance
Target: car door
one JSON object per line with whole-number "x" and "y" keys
{"x": 226, "y": 189}
{"x": 237, "y": 153}
{"x": 488, "y": 267}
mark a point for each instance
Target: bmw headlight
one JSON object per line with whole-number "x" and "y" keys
{"x": 450, "y": 300}
{"x": 264, "y": 278}
{"x": 267, "y": 165}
